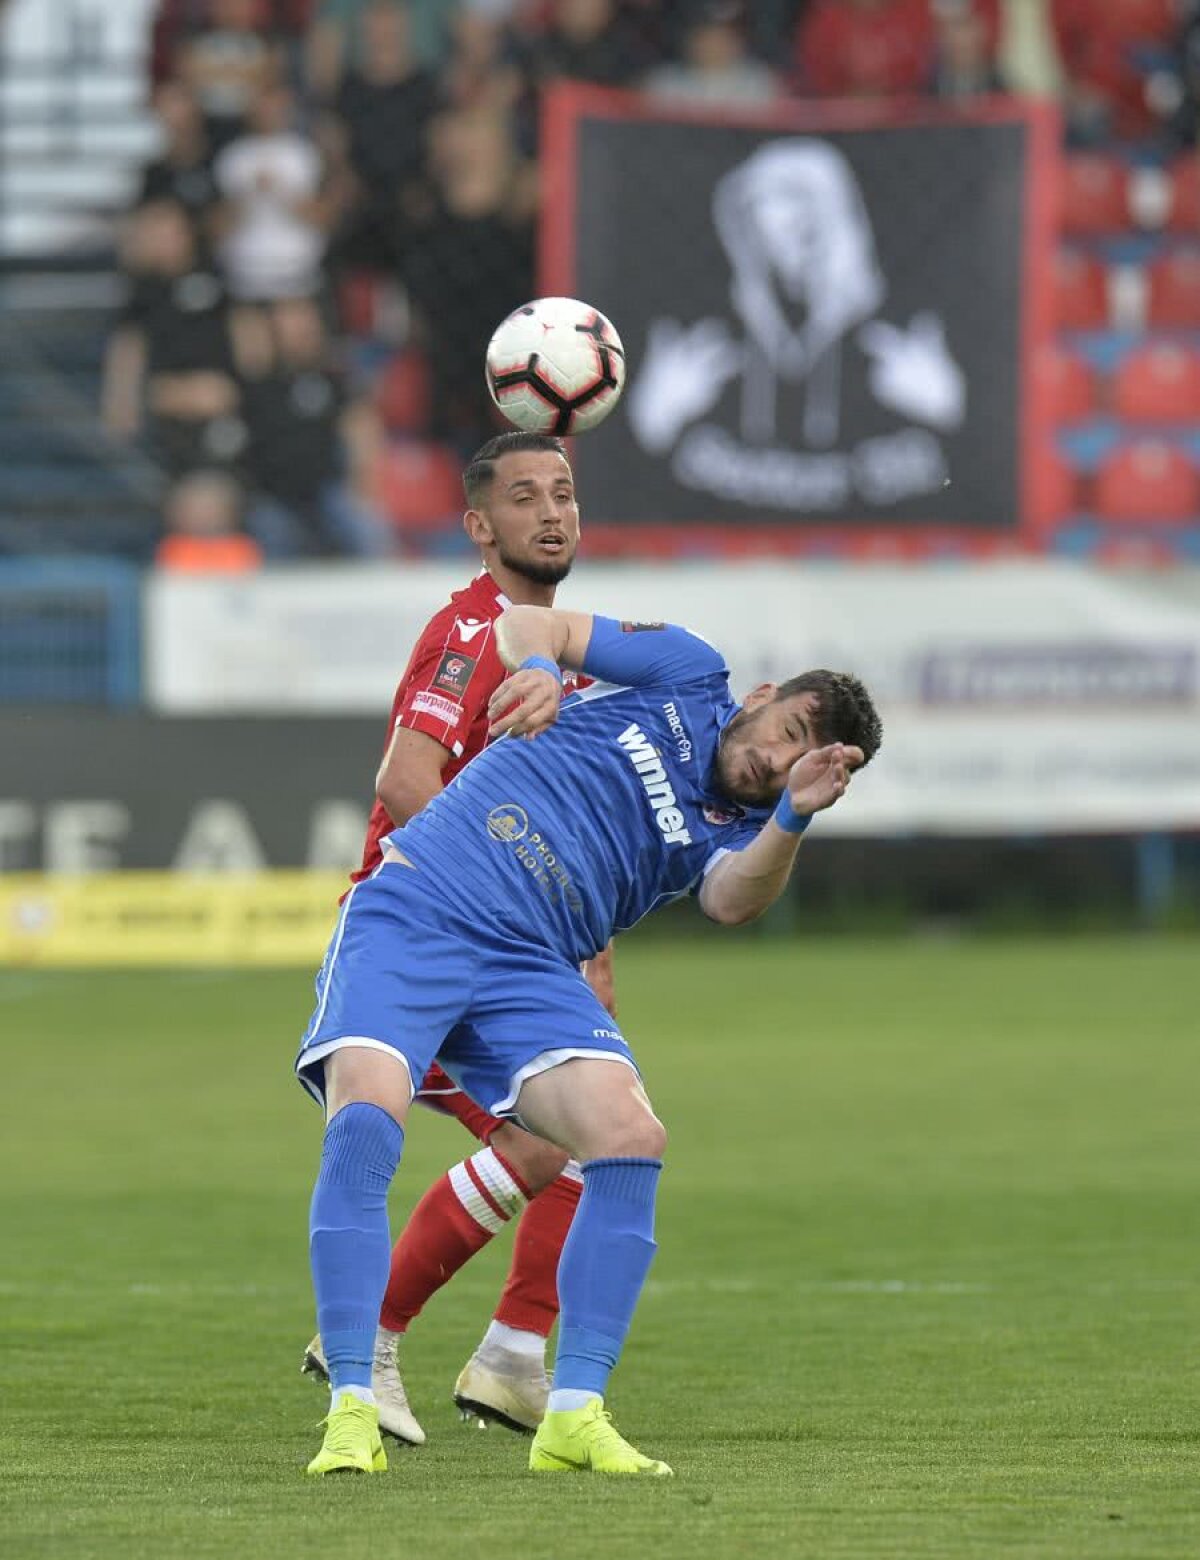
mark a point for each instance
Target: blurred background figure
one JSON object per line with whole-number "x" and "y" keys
{"x": 182, "y": 172}
{"x": 202, "y": 516}
{"x": 311, "y": 447}
{"x": 226, "y": 59}
{"x": 716, "y": 66}
{"x": 273, "y": 217}
{"x": 170, "y": 364}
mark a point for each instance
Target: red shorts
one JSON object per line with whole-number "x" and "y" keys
{"x": 438, "y": 1091}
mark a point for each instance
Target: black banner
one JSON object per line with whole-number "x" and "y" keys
{"x": 822, "y": 326}
{"x": 91, "y": 792}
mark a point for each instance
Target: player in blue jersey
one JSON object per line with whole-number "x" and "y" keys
{"x": 465, "y": 945}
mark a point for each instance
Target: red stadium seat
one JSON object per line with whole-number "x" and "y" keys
{"x": 420, "y": 487}
{"x": 1140, "y": 21}
{"x": 1094, "y": 195}
{"x": 1158, "y": 383}
{"x": 1183, "y": 214}
{"x": 1175, "y": 290}
{"x": 402, "y": 394}
{"x": 1070, "y": 383}
{"x": 1147, "y": 479}
{"x": 1080, "y": 291}
{"x": 1056, "y": 487}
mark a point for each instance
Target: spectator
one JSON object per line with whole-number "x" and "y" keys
{"x": 171, "y": 354}
{"x": 482, "y": 72}
{"x": 203, "y": 514}
{"x": 312, "y": 451}
{"x": 337, "y": 45}
{"x": 386, "y": 102}
{"x": 717, "y": 67}
{"x": 182, "y": 173}
{"x": 865, "y": 48}
{"x": 273, "y": 217}
{"x": 590, "y": 40}
{"x": 227, "y": 61}
{"x": 965, "y": 65}
{"x": 469, "y": 263}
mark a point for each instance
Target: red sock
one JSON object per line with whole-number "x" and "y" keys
{"x": 530, "y": 1298}
{"x": 457, "y": 1217}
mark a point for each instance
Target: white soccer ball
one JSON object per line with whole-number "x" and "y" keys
{"x": 556, "y": 366}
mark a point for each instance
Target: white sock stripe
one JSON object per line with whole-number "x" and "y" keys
{"x": 490, "y": 1170}
{"x": 572, "y": 1171}
{"x": 474, "y": 1201}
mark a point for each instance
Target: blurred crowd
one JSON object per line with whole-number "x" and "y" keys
{"x": 345, "y": 203}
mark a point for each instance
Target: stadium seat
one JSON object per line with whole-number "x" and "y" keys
{"x": 1070, "y": 384}
{"x": 1080, "y": 291}
{"x": 1174, "y": 290}
{"x": 1056, "y": 487}
{"x": 402, "y": 394}
{"x": 1158, "y": 383}
{"x": 356, "y": 301}
{"x": 419, "y": 485}
{"x": 1093, "y": 195}
{"x": 1183, "y": 213}
{"x": 1147, "y": 479}
{"x": 1140, "y": 21}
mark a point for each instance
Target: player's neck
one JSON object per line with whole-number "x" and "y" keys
{"x": 520, "y": 591}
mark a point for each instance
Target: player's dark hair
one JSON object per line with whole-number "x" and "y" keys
{"x": 481, "y": 468}
{"x": 844, "y": 711}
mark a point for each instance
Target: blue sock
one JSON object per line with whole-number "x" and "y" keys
{"x": 348, "y": 1238}
{"x": 602, "y": 1269}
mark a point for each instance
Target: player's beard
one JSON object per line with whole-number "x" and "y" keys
{"x": 539, "y": 571}
{"x": 736, "y": 745}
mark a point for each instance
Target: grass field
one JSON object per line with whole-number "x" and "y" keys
{"x": 928, "y": 1282}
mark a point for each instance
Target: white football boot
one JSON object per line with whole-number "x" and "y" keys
{"x": 501, "y": 1387}
{"x": 395, "y": 1416}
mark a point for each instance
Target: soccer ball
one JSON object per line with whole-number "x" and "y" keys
{"x": 555, "y": 366}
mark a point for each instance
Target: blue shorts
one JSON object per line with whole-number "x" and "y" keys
{"x": 411, "y": 973}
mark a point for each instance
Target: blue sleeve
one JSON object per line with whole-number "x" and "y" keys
{"x": 649, "y": 655}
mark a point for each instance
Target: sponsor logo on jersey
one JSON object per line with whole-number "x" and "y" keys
{"x": 722, "y": 815}
{"x": 643, "y": 755}
{"x": 508, "y": 823}
{"x": 608, "y": 1034}
{"x": 679, "y": 731}
{"x": 427, "y": 703}
{"x": 454, "y": 672}
{"x": 641, "y": 628}
{"x": 467, "y": 628}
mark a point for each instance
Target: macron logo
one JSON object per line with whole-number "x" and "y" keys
{"x": 646, "y": 761}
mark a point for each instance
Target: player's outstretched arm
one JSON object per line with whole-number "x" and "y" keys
{"x": 533, "y": 642}
{"x": 745, "y": 882}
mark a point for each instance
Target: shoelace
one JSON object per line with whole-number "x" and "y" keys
{"x": 606, "y": 1434}
{"x": 345, "y": 1425}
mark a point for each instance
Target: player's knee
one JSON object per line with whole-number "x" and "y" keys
{"x": 357, "y": 1074}
{"x": 638, "y": 1136}
{"x": 535, "y": 1162}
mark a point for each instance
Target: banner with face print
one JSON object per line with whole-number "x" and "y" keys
{"x": 827, "y": 321}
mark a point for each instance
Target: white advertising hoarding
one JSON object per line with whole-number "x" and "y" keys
{"x": 1040, "y": 697}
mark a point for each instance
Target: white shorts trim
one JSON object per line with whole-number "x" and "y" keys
{"x": 318, "y": 1053}
{"x": 545, "y": 1060}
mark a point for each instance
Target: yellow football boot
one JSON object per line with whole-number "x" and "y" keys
{"x": 352, "y": 1443}
{"x": 584, "y": 1440}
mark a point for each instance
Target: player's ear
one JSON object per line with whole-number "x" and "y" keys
{"x": 759, "y": 696}
{"x": 478, "y": 527}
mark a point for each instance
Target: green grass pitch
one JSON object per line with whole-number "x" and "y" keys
{"x": 928, "y": 1281}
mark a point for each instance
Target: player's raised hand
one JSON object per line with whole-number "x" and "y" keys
{"x": 821, "y": 776}
{"x": 524, "y": 704}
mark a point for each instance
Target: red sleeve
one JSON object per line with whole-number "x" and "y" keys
{"x": 449, "y": 681}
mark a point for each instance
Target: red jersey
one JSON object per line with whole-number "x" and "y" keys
{"x": 452, "y": 673}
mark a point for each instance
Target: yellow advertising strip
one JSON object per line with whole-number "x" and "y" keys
{"x": 164, "y": 919}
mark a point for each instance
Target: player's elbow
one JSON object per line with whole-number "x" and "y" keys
{"x": 726, "y": 910}
{"x": 401, "y": 798}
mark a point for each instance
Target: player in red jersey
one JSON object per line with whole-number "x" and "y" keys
{"x": 524, "y": 519}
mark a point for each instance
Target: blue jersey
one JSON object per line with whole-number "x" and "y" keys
{"x": 610, "y": 813}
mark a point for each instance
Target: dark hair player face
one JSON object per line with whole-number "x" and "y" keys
{"x": 779, "y": 723}
{"x": 523, "y": 507}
